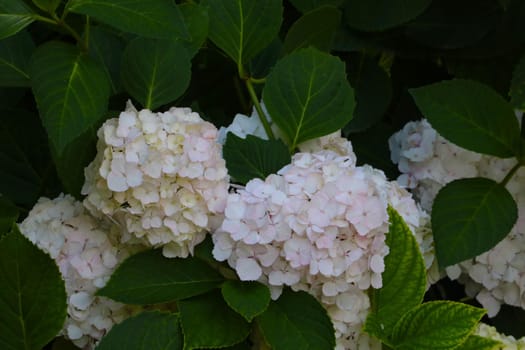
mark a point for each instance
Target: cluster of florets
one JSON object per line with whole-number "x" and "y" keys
{"x": 317, "y": 225}
{"x": 161, "y": 175}
{"x": 508, "y": 342}
{"x": 428, "y": 162}
{"x": 87, "y": 251}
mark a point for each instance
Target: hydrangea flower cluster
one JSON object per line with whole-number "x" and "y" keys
{"x": 317, "y": 225}
{"x": 508, "y": 342}
{"x": 161, "y": 175}
{"x": 428, "y": 162}
{"x": 87, "y": 252}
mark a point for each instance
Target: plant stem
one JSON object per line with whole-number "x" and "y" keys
{"x": 510, "y": 174}
{"x": 258, "y": 80}
{"x": 258, "y": 108}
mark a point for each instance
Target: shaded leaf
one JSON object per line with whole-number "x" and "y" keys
{"x": 517, "y": 86}
{"x": 15, "y": 15}
{"x": 247, "y": 298}
{"x": 471, "y": 115}
{"x": 307, "y": 95}
{"x": 15, "y": 53}
{"x": 155, "y": 72}
{"x": 150, "y": 278}
{"x": 264, "y": 61}
{"x": 470, "y": 216}
{"x": 150, "y": 330}
{"x": 71, "y": 91}
{"x": 8, "y": 215}
{"x": 32, "y": 295}
{"x": 309, "y": 5}
{"x": 208, "y": 322}
{"x": 152, "y": 18}
{"x": 106, "y": 48}
{"x": 197, "y": 21}
{"x": 48, "y": 6}
{"x": 253, "y": 157}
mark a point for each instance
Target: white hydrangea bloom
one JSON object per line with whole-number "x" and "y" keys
{"x": 87, "y": 251}
{"x": 428, "y": 162}
{"x": 507, "y": 342}
{"x": 317, "y": 225}
{"x": 161, "y": 175}
{"x": 242, "y": 126}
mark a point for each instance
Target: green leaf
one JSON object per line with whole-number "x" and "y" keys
{"x": 242, "y": 28}
{"x": 248, "y": 298}
{"x": 296, "y": 321}
{"x": 152, "y": 18}
{"x": 15, "y": 53}
{"x": 48, "y": 6}
{"x": 106, "y": 49}
{"x": 208, "y": 322}
{"x": 32, "y": 295}
{"x": 197, "y": 21}
{"x": 475, "y": 342}
{"x": 155, "y": 72}
{"x": 517, "y": 86}
{"x": 150, "y": 278}
{"x": 315, "y": 28}
{"x": 404, "y": 280}
{"x": 253, "y": 157}
{"x": 15, "y": 15}
{"x": 307, "y": 95}
{"x": 263, "y": 62}
{"x": 309, "y": 5}
{"x": 71, "y": 91}
{"x": 8, "y": 215}
{"x": 471, "y": 115}
{"x": 470, "y": 216}
{"x": 378, "y": 15}
{"x": 436, "y": 325}
{"x": 150, "y": 330}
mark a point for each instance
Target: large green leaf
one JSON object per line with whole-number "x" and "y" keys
{"x": 253, "y": 157}
{"x": 48, "y": 6}
{"x": 471, "y": 115}
{"x": 32, "y": 295}
{"x": 377, "y": 15}
{"x": 150, "y": 278}
{"x": 315, "y": 28}
{"x": 106, "y": 48}
{"x": 436, "y": 325}
{"x": 475, "y": 342}
{"x": 247, "y": 298}
{"x": 309, "y": 5}
{"x": 296, "y": 321}
{"x": 150, "y": 330}
{"x": 155, "y": 72}
{"x": 517, "y": 87}
{"x": 242, "y": 28}
{"x": 15, "y": 15}
{"x": 404, "y": 280}
{"x": 208, "y": 322}
{"x": 470, "y": 216}
{"x": 71, "y": 91}
{"x": 150, "y": 18}
{"x": 15, "y": 53}
{"x": 197, "y": 21}
{"x": 308, "y": 96}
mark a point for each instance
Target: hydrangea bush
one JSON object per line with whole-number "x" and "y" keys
{"x": 245, "y": 174}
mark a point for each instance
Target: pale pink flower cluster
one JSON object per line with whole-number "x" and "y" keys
{"x": 508, "y": 342}
{"x": 428, "y": 162}
{"x": 317, "y": 225}
{"x": 87, "y": 251}
{"x": 161, "y": 175}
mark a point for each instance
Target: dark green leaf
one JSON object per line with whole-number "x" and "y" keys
{"x": 315, "y": 28}
{"x": 373, "y": 93}
{"x": 155, "y": 72}
{"x": 475, "y": 342}
{"x": 377, "y": 15}
{"x": 150, "y": 278}
{"x": 106, "y": 48}
{"x": 242, "y": 28}
{"x": 296, "y": 321}
{"x": 32, "y": 295}
{"x": 152, "y": 18}
{"x": 470, "y": 115}
{"x": 208, "y": 322}
{"x": 517, "y": 87}
{"x": 8, "y": 215}
{"x": 150, "y": 330}
{"x": 436, "y": 325}
{"x": 15, "y": 53}
{"x": 248, "y": 298}
{"x": 264, "y": 61}
{"x": 470, "y": 216}
{"x": 309, "y": 5}
{"x": 197, "y": 21}
{"x": 15, "y": 15}
{"x": 71, "y": 91}
{"x": 404, "y": 280}
{"x": 48, "y": 6}
{"x": 307, "y": 95}
{"x": 253, "y": 157}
